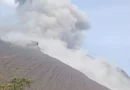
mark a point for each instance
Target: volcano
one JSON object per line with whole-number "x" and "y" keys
{"x": 47, "y": 73}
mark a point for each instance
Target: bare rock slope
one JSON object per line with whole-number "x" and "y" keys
{"x": 46, "y": 72}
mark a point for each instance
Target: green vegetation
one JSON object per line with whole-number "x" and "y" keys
{"x": 16, "y": 84}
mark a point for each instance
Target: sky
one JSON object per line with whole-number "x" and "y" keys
{"x": 109, "y": 35}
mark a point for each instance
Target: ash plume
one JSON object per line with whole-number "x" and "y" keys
{"x": 58, "y": 27}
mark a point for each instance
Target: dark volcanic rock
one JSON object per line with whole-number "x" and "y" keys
{"x": 46, "y": 72}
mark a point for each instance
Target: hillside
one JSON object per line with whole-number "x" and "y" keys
{"x": 46, "y": 72}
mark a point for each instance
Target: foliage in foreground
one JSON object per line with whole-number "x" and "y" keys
{"x": 16, "y": 84}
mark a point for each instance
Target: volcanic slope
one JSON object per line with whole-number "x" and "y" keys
{"x": 46, "y": 72}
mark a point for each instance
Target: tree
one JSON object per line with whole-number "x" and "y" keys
{"x": 16, "y": 84}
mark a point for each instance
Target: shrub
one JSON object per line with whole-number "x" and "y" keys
{"x": 16, "y": 84}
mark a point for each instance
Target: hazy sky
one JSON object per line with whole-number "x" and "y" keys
{"x": 109, "y": 36}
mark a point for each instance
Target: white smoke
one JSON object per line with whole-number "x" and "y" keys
{"x": 58, "y": 27}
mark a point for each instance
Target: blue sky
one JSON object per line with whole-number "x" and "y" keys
{"x": 7, "y": 13}
{"x": 109, "y": 36}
